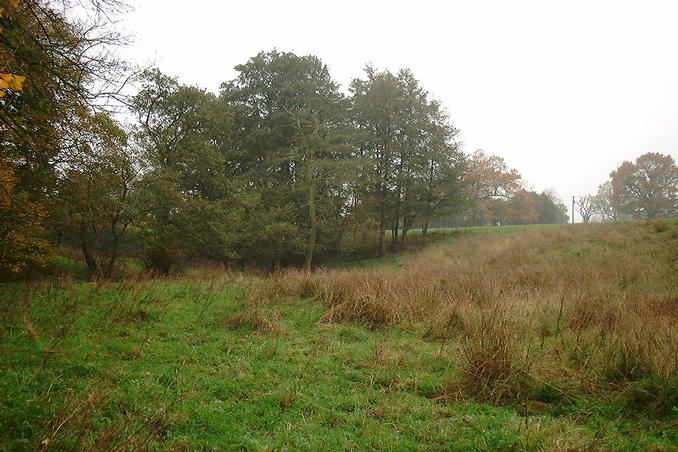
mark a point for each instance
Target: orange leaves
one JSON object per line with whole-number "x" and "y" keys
{"x": 489, "y": 177}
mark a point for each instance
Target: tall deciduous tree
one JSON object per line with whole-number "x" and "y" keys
{"x": 187, "y": 199}
{"x": 376, "y": 110}
{"x": 586, "y": 208}
{"x": 289, "y": 115}
{"x": 53, "y": 66}
{"x": 410, "y": 162}
{"x": 488, "y": 178}
{"x": 442, "y": 181}
{"x": 647, "y": 188}
{"x": 94, "y": 190}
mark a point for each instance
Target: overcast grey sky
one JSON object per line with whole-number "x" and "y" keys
{"x": 563, "y": 90}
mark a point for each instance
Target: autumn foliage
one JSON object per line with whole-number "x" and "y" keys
{"x": 23, "y": 245}
{"x": 10, "y": 81}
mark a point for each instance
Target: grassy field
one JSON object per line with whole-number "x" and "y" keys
{"x": 541, "y": 338}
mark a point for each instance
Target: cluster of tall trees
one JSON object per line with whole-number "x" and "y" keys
{"x": 279, "y": 168}
{"x": 644, "y": 189}
{"x": 282, "y": 166}
{"x": 497, "y": 195}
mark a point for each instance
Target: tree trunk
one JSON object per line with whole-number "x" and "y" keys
{"x": 114, "y": 248}
{"x": 396, "y": 227}
{"x": 111, "y": 264}
{"x": 396, "y": 221}
{"x": 340, "y": 236}
{"x": 429, "y": 201}
{"x": 382, "y": 229}
{"x": 407, "y": 224}
{"x": 310, "y": 246}
{"x": 398, "y": 200}
{"x": 87, "y": 249}
{"x": 113, "y": 257}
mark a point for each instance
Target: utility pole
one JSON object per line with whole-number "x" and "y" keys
{"x": 572, "y": 209}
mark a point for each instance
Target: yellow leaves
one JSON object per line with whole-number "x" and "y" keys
{"x": 11, "y": 81}
{"x": 14, "y": 4}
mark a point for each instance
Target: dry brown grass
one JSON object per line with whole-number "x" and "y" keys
{"x": 255, "y": 318}
{"x": 594, "y": 305}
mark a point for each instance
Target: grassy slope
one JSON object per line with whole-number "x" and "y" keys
{"x": 196, "y": 363}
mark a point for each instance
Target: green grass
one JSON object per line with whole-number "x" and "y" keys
{"x": 194, "y": 364}
{"x": 218, "y": 387}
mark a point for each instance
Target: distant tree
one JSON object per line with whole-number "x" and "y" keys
{"x": 604, "y": 204}
{"x": 521, "y": 208}
{"x": 488, "y": 176}
{"x": 526, "y": 207}
{"x": 487, "y": 179}
{"x": 550, "y": 208}
{"x": 585, "y": 207}
{"x": 647, "y": 188}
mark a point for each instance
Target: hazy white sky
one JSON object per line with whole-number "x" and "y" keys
{"x": 563, "y": 90}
